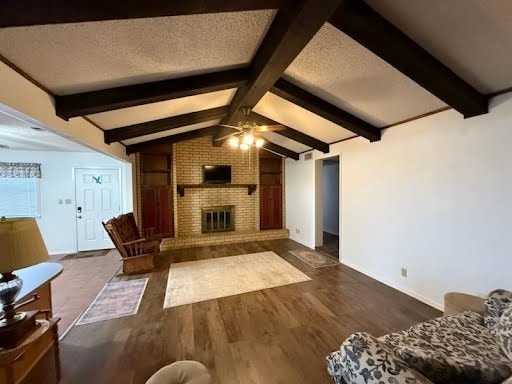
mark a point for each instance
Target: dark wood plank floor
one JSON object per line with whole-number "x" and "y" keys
{"x": 278, "y": 335}
{"x": 331, "y": 245}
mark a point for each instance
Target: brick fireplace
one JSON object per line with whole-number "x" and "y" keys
{"x": 191, "y": 199}
{"x": 189, "y": 157}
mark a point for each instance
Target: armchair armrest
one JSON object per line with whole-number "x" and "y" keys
{"x": 142, "y": 246}
{"x": 134, "y": 242}
{"x": 146, "y": 230}
{"x": 455, "y": 302}
{"x": 362, "y": 359}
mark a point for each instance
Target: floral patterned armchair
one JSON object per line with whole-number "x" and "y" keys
{"x": 467, "y": 347}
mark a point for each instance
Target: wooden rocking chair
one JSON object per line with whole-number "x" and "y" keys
{"x": 138, "y": 252}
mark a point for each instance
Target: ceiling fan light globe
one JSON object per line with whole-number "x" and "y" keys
{"x": 248, "y": 139}
{"x": 233, "y": 141}
{"x": 244, "y": 147}
{"x": 259, "y": 142}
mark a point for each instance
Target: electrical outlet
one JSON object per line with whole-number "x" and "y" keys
{"x": 404, "y": 272}
{"x": 297, "y": 231}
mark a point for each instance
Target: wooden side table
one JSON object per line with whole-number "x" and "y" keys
{"x": 36, "y": 360}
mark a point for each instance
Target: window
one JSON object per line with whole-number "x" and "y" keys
{"x": 19, "y": 197}
{"x": 19, "y": 189}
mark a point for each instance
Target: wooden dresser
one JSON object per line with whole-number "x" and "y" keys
{"x": 36, "y": 360}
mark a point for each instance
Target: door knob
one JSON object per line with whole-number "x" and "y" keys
{"x": 79, "y": 217}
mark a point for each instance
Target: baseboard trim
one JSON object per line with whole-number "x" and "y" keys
{"x": 391, "y": 284}
{"x": 61, "y": 253}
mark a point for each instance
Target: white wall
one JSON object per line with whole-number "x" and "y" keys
{"x": 433, "y": 196}
{"x": 300, "y": 200}
{"x": 58, "y": 222}
{"x": 331, "y": 198}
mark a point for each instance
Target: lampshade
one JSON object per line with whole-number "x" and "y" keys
{"x": 21, "y": 244}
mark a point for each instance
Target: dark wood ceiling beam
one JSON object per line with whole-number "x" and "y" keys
{"x": 292, "y": 134}
{"x": 320, "y": 107}
{"x": 89, "y": 103}
{"x": 147, "y": 128}
{"x": 269, "y": 146}
{"x": 359, "y": 21}
{"x": 195, "y": 134}
{"x": 292, "y": 28}
{"x": 17, "y": 13}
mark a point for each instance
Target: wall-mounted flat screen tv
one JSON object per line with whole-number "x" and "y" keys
{"x": 216, "y": 174}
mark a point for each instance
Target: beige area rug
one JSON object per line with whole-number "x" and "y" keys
{"x": 115, "y": 300}
{"x": 201, "y": 280}
{"x": 313, "y": 258}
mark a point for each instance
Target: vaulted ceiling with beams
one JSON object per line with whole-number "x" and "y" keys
{"x": 329, "y": 70}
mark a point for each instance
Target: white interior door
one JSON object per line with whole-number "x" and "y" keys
{"x": 98, "y": 198}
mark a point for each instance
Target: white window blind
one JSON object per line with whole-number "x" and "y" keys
{"x": 19, "y": 197}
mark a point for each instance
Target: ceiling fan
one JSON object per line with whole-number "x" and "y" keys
{"x": 248, "y": 132}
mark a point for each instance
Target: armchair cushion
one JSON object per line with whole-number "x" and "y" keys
{"x": 496, "y": 303}
{"x": 125, "y": 228}
{"x": 453, "y": 349}
{"x": 364, "y": 359}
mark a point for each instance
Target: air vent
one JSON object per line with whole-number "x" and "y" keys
{"x": 37, "y": 129}
{"x": 308, "y": 156}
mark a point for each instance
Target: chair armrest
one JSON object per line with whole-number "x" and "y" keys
{"x": 142, "y": 246}
{"x": 362, "y": 359}
{"x": 134, "y": 242}
{"x": 455, "y": 302}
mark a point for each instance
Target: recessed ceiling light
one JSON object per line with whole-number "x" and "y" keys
{"x": 37, "y": 129}
{"x": 4, "y": 146}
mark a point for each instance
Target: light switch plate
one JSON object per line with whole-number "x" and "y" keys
{"x": 60, "y": 202}
{"x": 68, "y": 201}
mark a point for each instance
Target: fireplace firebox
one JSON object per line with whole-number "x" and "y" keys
{"x": 218, "y": 219}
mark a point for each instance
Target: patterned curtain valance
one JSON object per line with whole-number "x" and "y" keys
{"x": 20, "y": 170}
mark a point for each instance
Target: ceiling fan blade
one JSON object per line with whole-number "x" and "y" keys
{"x": 230, "y": 126}
{"x": 270, "y": 128}
{"x": 225, "y": 137}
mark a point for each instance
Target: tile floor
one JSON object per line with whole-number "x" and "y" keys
{"x": 81, "y": 280}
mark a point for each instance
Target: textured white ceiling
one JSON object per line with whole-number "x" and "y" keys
{"x": 155, "y": 111}
{"x": 337, "y": 69}
{"x": 285, "y": 142}
{"x": 472, "y": 37}
{"x": 18, "y": 135}
{"x": 71, "y": 58}
{"x": 284, "y": 112}
{"x": 171, "y": 132}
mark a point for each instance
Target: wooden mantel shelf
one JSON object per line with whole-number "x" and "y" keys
{"x": 181, "y": 187}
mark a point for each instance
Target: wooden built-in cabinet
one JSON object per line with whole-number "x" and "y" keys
{"x": 271, "y": 191}
{"x": 157, "y": 193}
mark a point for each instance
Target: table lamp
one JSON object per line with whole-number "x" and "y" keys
{"x": 21, "y": 246}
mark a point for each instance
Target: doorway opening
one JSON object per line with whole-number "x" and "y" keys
{"x": 328, "y": 231}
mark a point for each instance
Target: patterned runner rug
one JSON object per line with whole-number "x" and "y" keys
{"x": 201, "y": 280}
{"x": 115, "y": 300}
{"x": 313, "y": 258}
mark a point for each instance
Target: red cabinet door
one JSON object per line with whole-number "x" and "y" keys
{"x": 156, "y": 209}
{"x": 270, "y": 207}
